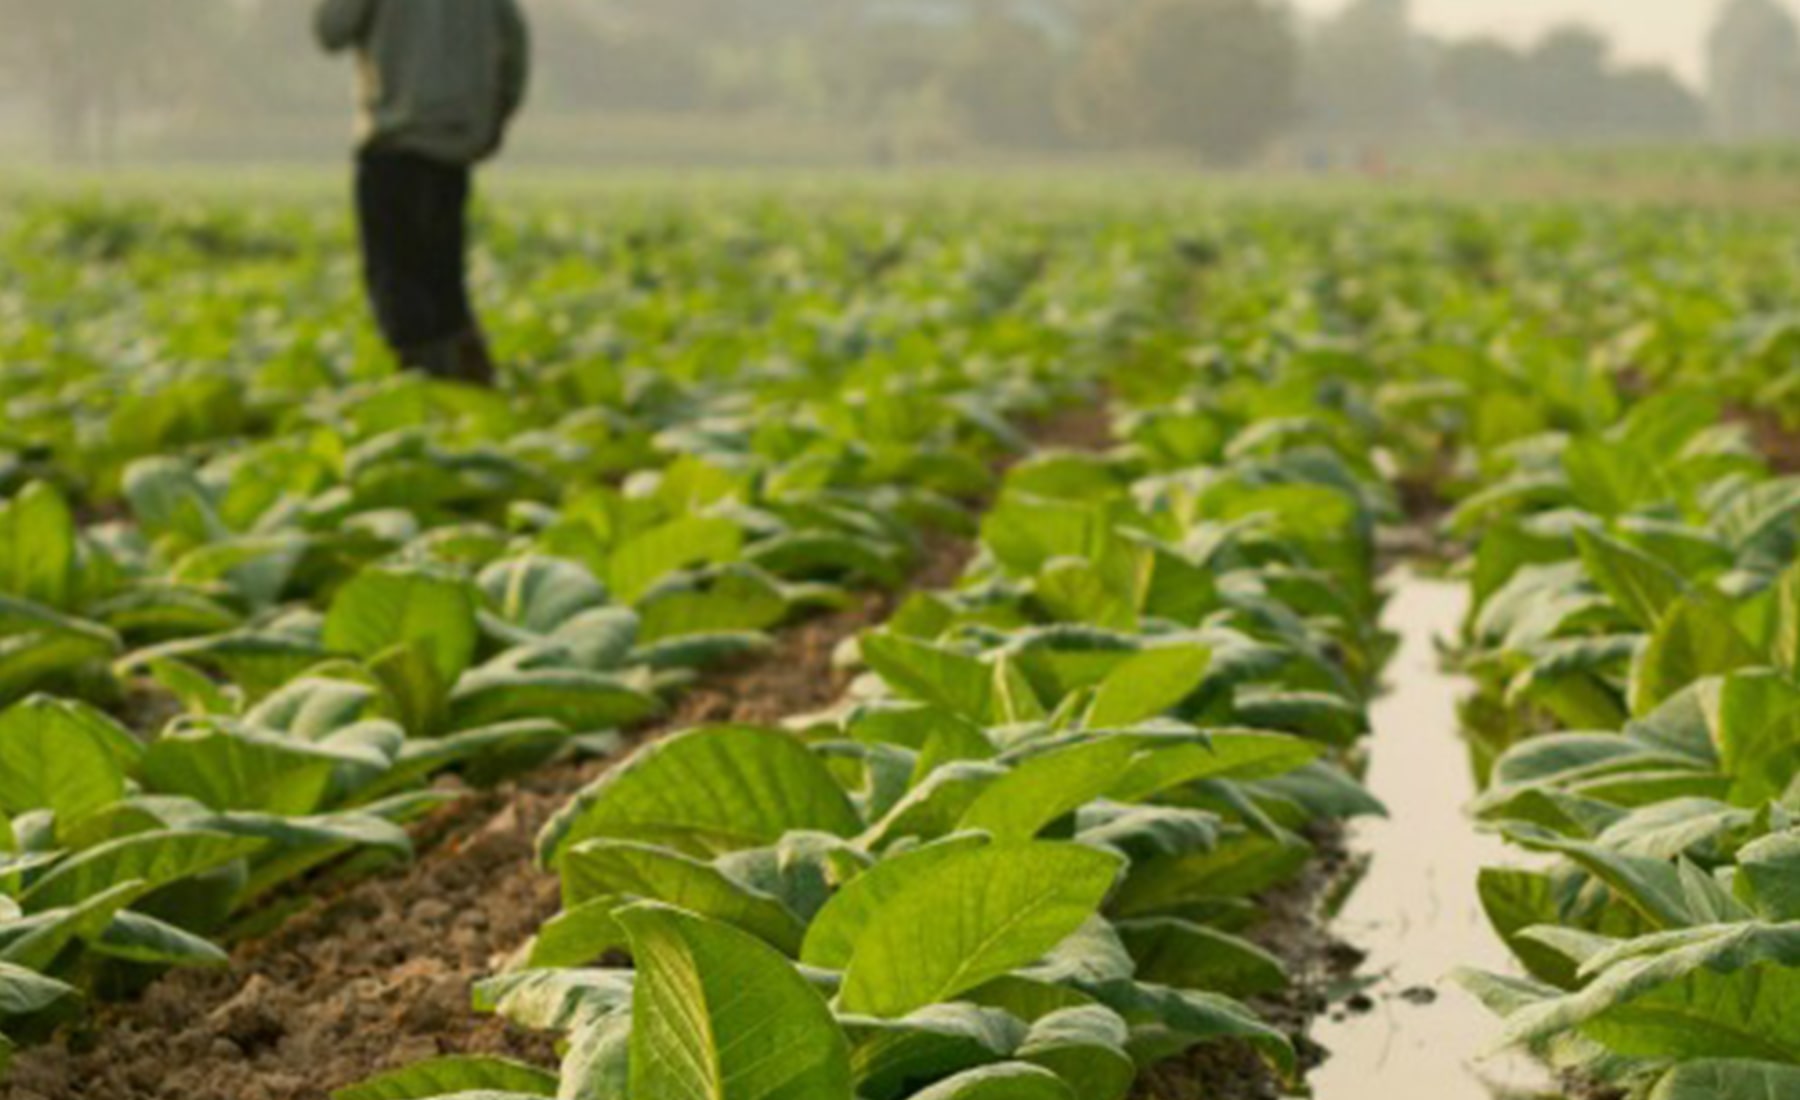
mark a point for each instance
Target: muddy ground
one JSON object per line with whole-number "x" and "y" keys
{"x": 1295, "y": 930}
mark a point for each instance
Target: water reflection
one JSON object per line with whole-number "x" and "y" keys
{"x": 1417, "y": 1036}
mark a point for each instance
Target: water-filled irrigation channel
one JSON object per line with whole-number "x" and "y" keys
{"x": 1413, "y": 1035}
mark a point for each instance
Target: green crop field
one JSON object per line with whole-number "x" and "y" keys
{"x": 883, "y": 640}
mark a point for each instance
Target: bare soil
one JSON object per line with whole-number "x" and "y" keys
{"x": 1778, "y": 443}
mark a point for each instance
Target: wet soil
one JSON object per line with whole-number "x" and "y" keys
{"x": 1402, "y": 1028}
{"x": 1296, "y": 928}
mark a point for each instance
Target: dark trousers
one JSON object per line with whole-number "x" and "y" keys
{"x": 412, "y": 214}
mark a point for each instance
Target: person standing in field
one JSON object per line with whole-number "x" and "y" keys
{"x": 438, "y": 82}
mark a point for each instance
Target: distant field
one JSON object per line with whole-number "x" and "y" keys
{"x": 896, "y": 636}
{"x": 648, "y": 157}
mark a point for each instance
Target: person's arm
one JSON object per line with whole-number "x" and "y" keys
{"x": 515, "y": 58}
{"x": 340, "y": 24}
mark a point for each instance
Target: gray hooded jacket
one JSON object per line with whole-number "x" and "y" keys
{"x": 440, "y": 78}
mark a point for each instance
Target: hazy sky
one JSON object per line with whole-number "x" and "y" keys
{"x": 1672, "y": 31}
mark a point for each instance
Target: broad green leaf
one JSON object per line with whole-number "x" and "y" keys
{"x": 1086, "y": 1048}
{"x": 455, "y": 1074}
{"x": 641, "y": 561}
{"x": 416, "y": 692}
{"x": 888, "y": 1058}
{"x": 1755, "y": 719}
{"x": 1016, "y": 701}
{"x": 25, "y": 992}
{"x": 821, "y": 553}
{"x": 1092, "y": 953}
{"x": 61, "y": 756}
{"x": 1144, "y": 832}
{"x": 1768, "y": 875}
{"x": 146, "y": 940}
{"x": 1314, "y": 715}
{"x": 296, "y": 845}
{"x": 37, "y": 941}
{"x": 387, "y": 607}
{"x": 1319, "y": 791}
{"x": 973, "y": 917}
{"x": 538, "y": 594}
{"x": 1185, "y": 955}
{"x": 1731, "y": 991}
{"x": 801, "y": 870}
{"x": 1695, "y": 639}
{"x": 1167, "y": 1022}
{"x": 701, "y": 651}
{"x": 706, "y": 792}
{"x": 1708, "y": 899}
{"x": 1505, "y": 995}
{"x": 1025, "y": 532}
{"x": 1149, "y": 684}
{"x": 599, "y": 868}
{"x": 1729, "y": 1080}
{"x": 960, "y": 684}
{"x": 577, "y": 699}
{"x": 419, "y": 759}
{"x": 557, "y": 1000}
{"x": 598, "y": 1064}
{"x": 1515, "y": 901}
{"x": 1675, "y": 827}
{"x": 38, "y": 547}
{"x": 1641, "y": 586}
{"x": 1609, "y": 479}
{"x": 156, "y": 858}
{"x": 1787, "y": 621}
{"x": 1076, "y": 591}
{"x": 599, "y": 640}
{"x": 38, "y": 646}
{"x": 718, "y": 1015}
{"x": 257, "y": 662}
{"x": 1227, "y": 754}
{"x": 933, "y": 807}
{"x": 1009, "y": 1081}
{"x": 832, "y": 936}
{"x": 1241, "y": 867}
{"x": 241, "y": 769}
{"x": 1651, "y": 886}
{"x": 314, "y": 708}
{"x": 256, "y": 569}
{"x": 579, "y": 935}
{"x": 742, "y": 598}
{"x": 1043, "y": 788}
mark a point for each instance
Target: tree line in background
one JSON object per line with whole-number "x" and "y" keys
{"x": 1227, "y": 79}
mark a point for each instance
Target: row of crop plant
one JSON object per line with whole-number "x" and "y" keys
{"x": 1018, "y": 860}
{"x": 225, "y": 666}
{"x": 1640, "y": 587}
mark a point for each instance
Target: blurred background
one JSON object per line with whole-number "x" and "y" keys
{"x": 1364, "y": 87}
